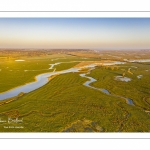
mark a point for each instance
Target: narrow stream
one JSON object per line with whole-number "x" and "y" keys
{"x": 91, "y": 80}
{"x": 87, "y": 83}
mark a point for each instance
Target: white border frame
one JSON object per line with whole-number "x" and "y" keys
{"x": 72, "y": 14}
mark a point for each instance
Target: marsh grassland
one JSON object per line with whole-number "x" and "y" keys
{"x": 64, "y": 104}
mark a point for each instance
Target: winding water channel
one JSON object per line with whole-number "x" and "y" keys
{"x": 42, "y": 79}
{"x": 91, "y": 80}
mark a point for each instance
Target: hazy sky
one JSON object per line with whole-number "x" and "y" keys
{"x": 88, "y": 33}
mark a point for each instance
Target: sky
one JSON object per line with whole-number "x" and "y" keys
{"x": 75, "y": 33}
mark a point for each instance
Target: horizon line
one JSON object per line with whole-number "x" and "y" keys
{"x": 66, "y": 49}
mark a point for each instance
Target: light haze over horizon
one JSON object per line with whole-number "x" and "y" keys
{"x": 75, "y": 33}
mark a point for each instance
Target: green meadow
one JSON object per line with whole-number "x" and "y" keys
{"x": 64, "y": 100}
{"x": 14, "y": 73}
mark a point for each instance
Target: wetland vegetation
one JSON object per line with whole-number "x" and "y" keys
{"x": 64, "y": 103}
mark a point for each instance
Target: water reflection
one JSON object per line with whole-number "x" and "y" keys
{"x": 91, "y": 80}
{"x": 41, "y": 80}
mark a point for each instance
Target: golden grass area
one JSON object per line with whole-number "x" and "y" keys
{"x": 50, "y": 78}
{"x": 98, "y": 63}
{"x": 11, "y": 99}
